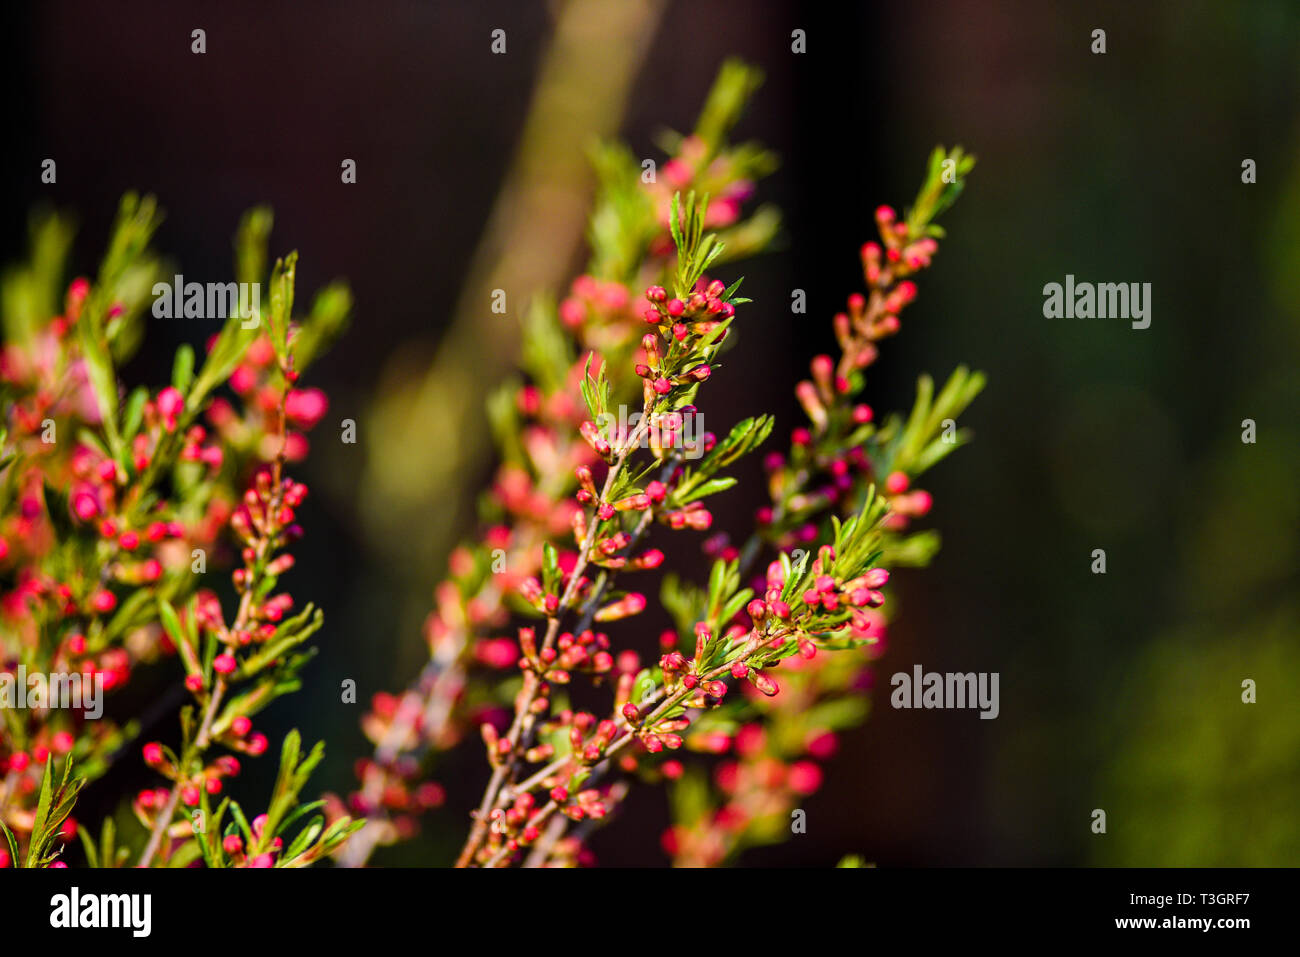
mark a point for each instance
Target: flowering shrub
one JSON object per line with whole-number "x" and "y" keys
{"x": 583, "y": 485}
{"x": 112, "y": 504}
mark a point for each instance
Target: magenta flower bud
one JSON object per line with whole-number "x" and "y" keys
{"x": 739, "y": 669}
{"x": 656, "y": 294}
{"x": 673, "y": 661}
{"x": 764, "y": 684}
{"x": 896, "y": 483}
{"x": 676, "y": 307}
{"x": 305, "y": 407}
{"x": 662, "y": 386}
{"x": 757, "y": 610}
{"x": 627, "y": 606}
{"x": 85, "y": 505}
{"x": 170, "y": 405}
{"x": 875, "y": 578}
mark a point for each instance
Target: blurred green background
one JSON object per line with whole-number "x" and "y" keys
{"x": 1119, "y": 691}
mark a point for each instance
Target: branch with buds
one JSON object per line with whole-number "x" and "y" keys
{"x": 113, "y": 501}
{"x": 581, "y": 492}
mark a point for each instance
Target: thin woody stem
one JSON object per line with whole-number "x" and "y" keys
{"x": 619, "y": 743}
{"x": 242, "y": 617}
{"x": 528, "y": 694}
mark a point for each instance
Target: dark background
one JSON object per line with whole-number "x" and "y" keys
{"x": 1118, "y": 692}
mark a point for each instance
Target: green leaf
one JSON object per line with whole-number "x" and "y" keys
{"x": 13, "y": 845}
{"x": 183, "y": 367}
{"x": 705, "y": 489}
{"x": 282, "y": 280}
{"x": 550, "y": 569}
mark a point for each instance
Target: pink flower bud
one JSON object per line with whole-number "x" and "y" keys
{"x": 103, "y": 602}
{"x": 875, "y": 578}
{"x": 170, "y": 405}
{"x": 764, "y": 684}
{"x": 305, "y": 407}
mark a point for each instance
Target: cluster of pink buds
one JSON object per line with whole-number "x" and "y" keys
{"x": 757, "y": 785}
{"x": 902, "y": 253}
{"x": 255, "y": 381}
{"x": 586, "y": 651}
{"x": 904, "y": 505}
{"x": 233, "y": 845}
{"x": 695, "y": 316}
{"x": 594, "y": 301}
{"x": 715, "y": 173}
